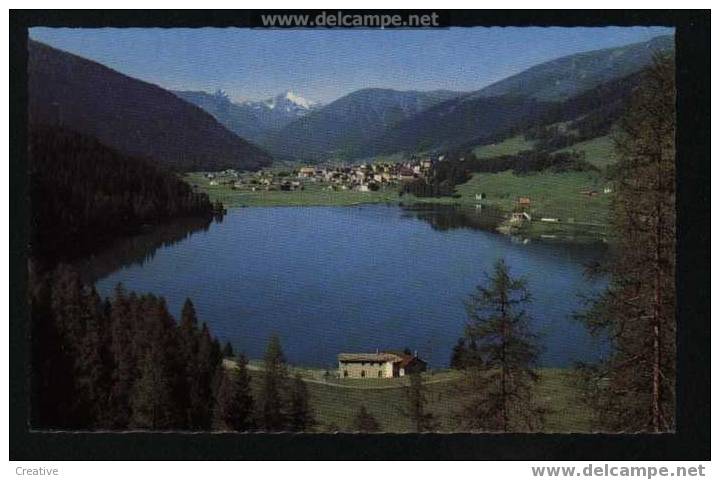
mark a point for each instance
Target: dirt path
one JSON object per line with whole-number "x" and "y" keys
{"x": 256, "y": 368}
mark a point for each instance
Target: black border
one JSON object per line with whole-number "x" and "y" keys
{"x": 690, "y": 442}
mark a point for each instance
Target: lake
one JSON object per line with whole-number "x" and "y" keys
{"x": 356, "y": 279}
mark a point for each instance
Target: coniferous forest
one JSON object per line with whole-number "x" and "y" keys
{"x": 121, "y": 362}
{"x": 124, "y": 362}
{"x": 84, "y": 194}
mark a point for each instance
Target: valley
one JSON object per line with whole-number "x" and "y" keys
{"x": 198, "y": 230}
{"x": 579, "y": 201}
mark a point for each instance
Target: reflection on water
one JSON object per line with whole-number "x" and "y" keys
{"x": 139, "y": 249}
{"x": 351, "y": 279}
{"x": 448, "y": 217}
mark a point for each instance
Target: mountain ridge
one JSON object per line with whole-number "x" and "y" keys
{"x": 254, "y": 120}
{"x": 553, "y": 80}
{"x": 340, "y": 127}
{"x": 133, "y": 116}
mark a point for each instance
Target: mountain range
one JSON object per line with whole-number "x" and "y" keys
{"x": 252, "y": 120}
{"x": 129, "y": 115}
{"x": 342, "y": 128}
{"x": 199, "y": 130}
{"x": 568, "y": 76}
{"x": 376, "y": 121}
{"x": 479, "y": 115}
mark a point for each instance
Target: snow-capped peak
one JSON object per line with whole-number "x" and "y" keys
{"x": 289, "y": 99}
{"x": 298, "y": 100}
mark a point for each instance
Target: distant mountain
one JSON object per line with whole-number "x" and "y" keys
{"x": 455, "y": 122}
{"x": 252, "y": 120}
{"x": 566, "y": 77}
{"x": 341, "y": 128}
{"x": 539, "y": 92}
{"x": 132, "y": 116}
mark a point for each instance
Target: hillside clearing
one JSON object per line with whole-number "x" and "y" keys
{"x": 509, "y": 146}
{"x": 335, "y": 402}
{"x": 598, "y": 151}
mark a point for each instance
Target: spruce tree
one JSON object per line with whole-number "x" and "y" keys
{"x": 228, "y": 350}
{"x": 93, "y": 362}
{"x": 274, "y": 412}
{"x": 634, "y": 389}
{"x": 124, "y": 360}
{"x": 500, "y": 391}
{"x": 300, "y": 414}
{"x": 152, "y": 393}
{"x": 459, "y": 354}
{"x": 208, "y": 363}
{"x": 234, "y": 404}
{"x": 416, "y": 404}
{"x": 153, "y": 400}
{"x": 189, "y": 341}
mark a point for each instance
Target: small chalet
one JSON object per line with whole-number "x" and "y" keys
{"x": 378, "y": 365}
{"x": 306, "y": 172}
{"x": 520, "y": 217}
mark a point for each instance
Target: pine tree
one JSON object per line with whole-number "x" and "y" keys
{"x": 274, "y": 384}
{"x": 500, "y": 391}
{"x": 464, "y": 355}
{"x": 189, "y": 343}
{"x": 228, "y": 350}
{"x": 234, "y": 404}
{"x": 459, "y": 354}
{"x": 300, "y": 415}
{"x": 124, "y": 358}
{"x": 153, "y": 402}
{"x": 416, "y": 404}
{"x": 365, "y": 422}
{"x": 93, "y": 362}
{"x": 188, "y": 329}
{"x": 152, "y": 394}
{"x": 208, "y": 364}
{"x": 634, "y": 390}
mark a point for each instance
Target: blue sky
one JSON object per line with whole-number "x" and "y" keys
{"x": 323, "y": 65}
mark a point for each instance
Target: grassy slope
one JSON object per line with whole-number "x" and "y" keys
{"x": 599, "y": 151}
{"x": 334, "y": 407}
{"x": 551, "y": 194}
{"x": 508, "y": 146}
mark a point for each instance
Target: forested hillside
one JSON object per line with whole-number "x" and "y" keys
{"x": 481, "y": 119}
{"x": 132, "y": 116}
{"x": 343, "y": 128}
{"x": 572, "y": 75}
{"x": 84, "y": 194}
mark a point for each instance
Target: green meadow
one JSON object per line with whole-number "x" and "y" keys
{"x": 509, "y": 146}
{"x": 335, "y": 402}
{"x": 598, "y": 151}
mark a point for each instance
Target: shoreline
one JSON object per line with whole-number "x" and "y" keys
{"x": 576, "y": 218}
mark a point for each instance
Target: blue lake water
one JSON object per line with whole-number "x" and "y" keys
{"x": 356, "y": 279}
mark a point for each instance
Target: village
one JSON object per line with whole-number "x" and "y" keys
{"x": 548, "y": 206}
{"x": 362, "y": 178}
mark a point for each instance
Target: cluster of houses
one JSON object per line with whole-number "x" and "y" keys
{"x": 368, "y": 177}
{"x": 363, "y": 178}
